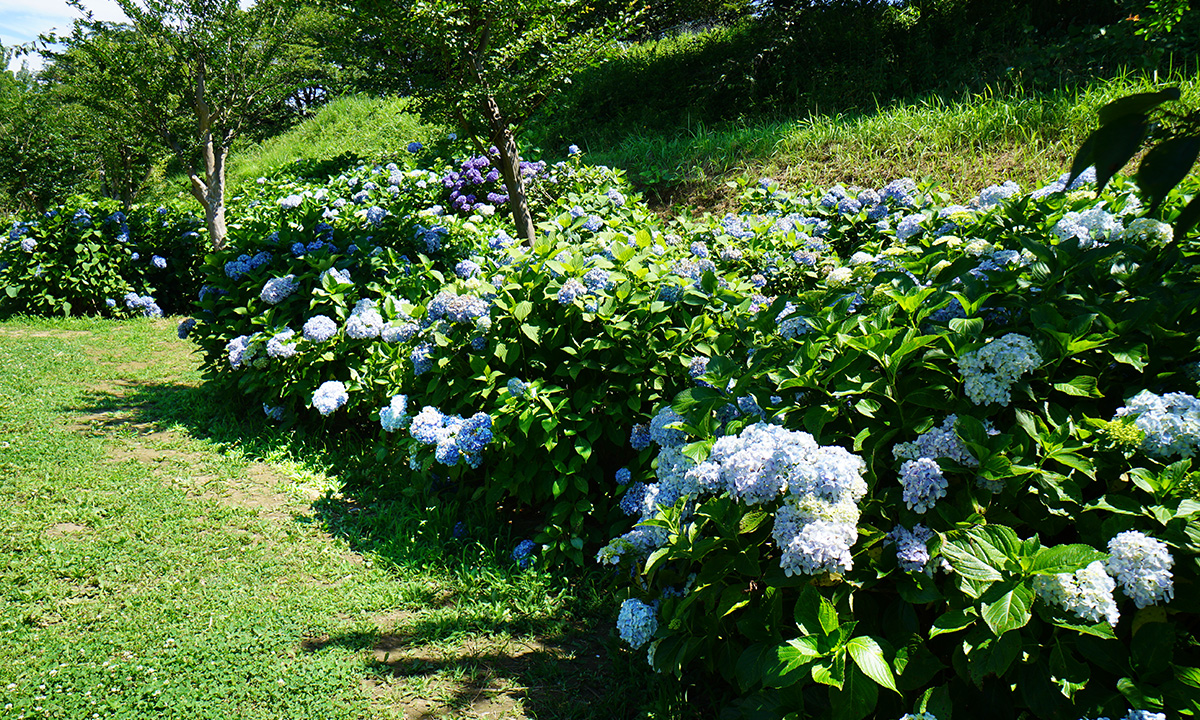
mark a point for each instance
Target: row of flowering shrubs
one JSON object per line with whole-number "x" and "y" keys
{"x": 851, "y": 453}
{"x": 861, "y": 453}
{"x": 89, "y": 257}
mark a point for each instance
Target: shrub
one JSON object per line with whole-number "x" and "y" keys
{"x": 979, "y": 368}
{"x": 89, "y": 258}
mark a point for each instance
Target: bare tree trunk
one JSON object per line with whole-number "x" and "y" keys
{"x": 510, "y": 169}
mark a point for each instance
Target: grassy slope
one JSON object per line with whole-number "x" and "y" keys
{"x": 151, "y": 567}
{"x": 964, "y": 145}
{"x": 351, "y": 129}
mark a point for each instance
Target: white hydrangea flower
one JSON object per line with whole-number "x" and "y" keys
{"x": 1086, "y": 593}
{"x": 990, "y": 372}
{"x": 1142, "y": 567}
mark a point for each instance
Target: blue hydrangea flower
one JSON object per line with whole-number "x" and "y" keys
{"x": 278, "y": 346}
{"x": 422, "y": 358}
{"x": 662, "y": 430}
{"x": 639, "y": 436}
{"x": 637, "y": 622}
{"x": 615, "y": 197}
{"x": 923, "y": 483}
{"x": 158, "y": 262}
{"x": 623, "y": 476}
{"x": 597, "y": 280}
{"x": 277, "y": 289}
{"x": 1087, "y": 593}
{"x": 291, "y": 202}
{"x": 319, "y": 328}
{"x": 912, "y": 553}
{"x": 415, "y": 147}
{"x": 633, "y": 502}
{"x": 398, "y": 333}
{"x": 523, "y": 553}
{"x": 185, "y": 327}
{"x": 570, "y": 291}
{"x": 516, "y": 388}
{"x": 572, "y": 149}
{"x": 330, "y": 396}
{"x": 394, "y": 415}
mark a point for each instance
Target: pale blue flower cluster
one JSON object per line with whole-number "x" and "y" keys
{"x": 637, "y": 622}
{"x": 431, "y": 237}
{"x": 235, "y": 350}
{"x": 909, "y": 226}
{"x": 461, "y": 309}
{"x": 422, "y": 358}
{"x": 902, "y": 191}
{"x": 995, "y": 194}
{"x": 1091, "y": 227}
{"x": 1147, "y": 231}
{"x": 623, "y": 476}
{"x": 340, "y": 277}
{"x": 663, "y": 428}
{"x": 990, "y": 372}
{"x": 923, "y": 483}
{"x": 319, "y": 328}
{"x": 375, "y": 215}
{"x": 453, "y": 437}
{"x": 516, "y": 388}
{"x": 696, "y": 369}
{"x": 597, "y": 280}
{"x": 1171, "y": 423}
{"x": 277, "y": 289}
{"x": 467, "y": 269}
{"x": 912, "y": 551}
{"x": 184, "y": 329}
{"x": 639, "y": 436}
{"x": 570, "y": 291}
{"x": 938, "y": 442}
{"x": 364, "y": 322}
{"x": 791, "y": 324}
{"x": 273, "y": 412}
{"x": 330, "y": 396}
{"x": 291, "y": 202}
{"x": 278, "y": 346}
{"x": 1086, "y": 593}
{"x": 1087, "y": 177}
{"x": 235, "y": 269}
{"x": 394, "y": 415}
{"x": 143, "y": 303}
{"x": 615, "y": 197}
{"x": 398, "y": 331}
{"x": 158, "y": 261}
{"x": 1142, "y": 567}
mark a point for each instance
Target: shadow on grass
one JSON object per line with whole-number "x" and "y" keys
{"x": 559, "y": 676}
{"x": 482, "y": 637}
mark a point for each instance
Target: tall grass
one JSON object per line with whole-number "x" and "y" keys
{"x": 964, "y": 144}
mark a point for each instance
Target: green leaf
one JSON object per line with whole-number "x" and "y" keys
{"x": 950, "y": 621}
{"x": 1136, "y": 104}
{"x": 808, "y": 610}
{"x": 868, "y": 655}
{"x": 751, "y": 522}
{"x": 856, "y": 698}
{"x": 1082, "y": 386}
{"x": 1165, "y": 166}
{"x": 1063, "y": 559}
{"x": 1187, "y": 218}
{"x": 787, "y": 665}
{"x": 1116, "y": 142}
{"x": 532, "y": 332}
{"x": 1009, "y": 608}
{"x": 827, "y": 616}
{"x": 522, "y": 310}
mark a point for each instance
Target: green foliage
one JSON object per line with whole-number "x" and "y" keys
{"x": 84, "y": 258}
{"x": 1129, "y": 123}
{"x": 1040, "y": 493}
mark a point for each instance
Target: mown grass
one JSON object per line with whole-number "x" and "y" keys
{"x": 161, "y": 555}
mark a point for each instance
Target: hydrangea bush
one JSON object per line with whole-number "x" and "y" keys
{"x": 1012, "y": 382}
{"x": 91, "y": 258}
{"x": 850, "y": 452}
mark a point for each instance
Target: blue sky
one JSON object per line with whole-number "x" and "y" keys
{"x": 21, "y": 21}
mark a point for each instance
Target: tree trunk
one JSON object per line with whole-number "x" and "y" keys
{"x": 510, "y": 169}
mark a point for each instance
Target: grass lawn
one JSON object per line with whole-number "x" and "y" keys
{"x": 164, "y": 555}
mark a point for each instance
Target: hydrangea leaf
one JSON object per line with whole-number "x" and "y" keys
{"x": 867, "y": 653}
{"x": 1008, "y": 606}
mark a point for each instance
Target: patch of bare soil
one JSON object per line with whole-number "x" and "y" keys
{"x": 65, "y": 529}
